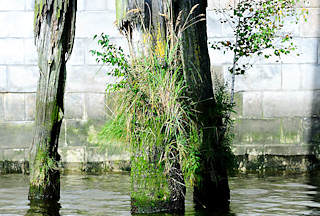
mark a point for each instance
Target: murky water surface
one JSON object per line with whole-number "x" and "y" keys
{"x": 109, "y": 195}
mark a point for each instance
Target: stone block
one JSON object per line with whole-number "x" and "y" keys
{"x": 1, "y": 107}
{"x": 288, "y": 149}
{"x": 80, "y": 133}
{"x": 111, "y": 5}
{"x": 311, "y": 27}
{"x": 95, "y": 106}
{"x": 95, "y": 5}
{"x": 291, "y": 131}
{"x": 310, "y": 76}
{"x": 315, "y": 109}
{"x": 265, "y": 61}
{"x": 123, "y": 156}
{"x": 12, "y": 51}
{"x": 74, "y": 106}
{"x": 86, "y": 79}
{"x": 16, "y": 135}
{"x": 287, "y": 104}
{"x": 22, "y": 78}
{"x": 81, "y": 5}
{"x": 253, "y": 150}
{"x": 16, "y": 24}
{"x": 78, "y": 52}
{"x": 73, "y": 154}
{"x": 14, "y": 154}
{"x": 63, "y": 134}
{"x": 252, "y": 104}
{"x": 114, "y": 150}
{"x": 76, "y": 133}
{"x": 238, "y": 100}
{"x": 14, "y": 107}
{"x": 212, "y": 4}
{"x": 94, "y": 154}
{"x": 214, "y": 26}
{"x": 311, "y": 130}
{"x": 30, "y": 102}
{"x": 252, "y": 131}
{"x": 111, "y": 105}
{"x": 92, "y": 44}
{"x": 291, "y": 76}
{"x": 91, "y": 23}
{"x": 217, "y": 75}
{"x": 29, "y": 5}
{"x": 227, "y": 29}
{"x": 218, "y": 57}
{"x": 3, "y": 79}
{"x": 308, "y": 50}
{"x": 291, "y": 27}
{"x": 12, "y": 5}
{"x": 258, "y": 78}
{"x": 30, "y": 52}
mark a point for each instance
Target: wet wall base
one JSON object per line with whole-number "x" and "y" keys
{"x": 246, "y": 163}
{"x": 18, "y": 167}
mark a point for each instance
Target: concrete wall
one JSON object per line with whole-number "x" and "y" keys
{"x": 277, "y": 103}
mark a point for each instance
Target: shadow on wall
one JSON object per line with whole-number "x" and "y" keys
{"x": 312, "y": 125}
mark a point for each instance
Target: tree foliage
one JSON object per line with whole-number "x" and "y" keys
{"x": 258, "y": 30}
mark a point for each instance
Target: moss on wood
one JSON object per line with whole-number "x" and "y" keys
{"x": 54, "y": 23}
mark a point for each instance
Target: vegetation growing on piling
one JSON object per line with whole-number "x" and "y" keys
{"x": 158, "y": 113}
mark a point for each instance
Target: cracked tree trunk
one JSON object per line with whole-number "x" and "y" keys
{"x": 54, "y": 31}
{"x": 212, "y": 190}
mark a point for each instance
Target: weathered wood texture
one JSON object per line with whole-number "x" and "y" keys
{"x": 212, "y": 191}
{"x": 54, "y": 31}
{"x": 136, "y": 17}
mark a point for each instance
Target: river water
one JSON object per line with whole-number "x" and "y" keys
{"x": 109, "y": 195}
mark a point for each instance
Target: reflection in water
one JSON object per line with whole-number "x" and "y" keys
{"x": 190, "y": 212}
{"x": 109, "y": 195}
{"x": 314, "y": 180}
{"x": 43, "y": 208}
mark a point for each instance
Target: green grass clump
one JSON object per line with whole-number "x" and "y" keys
{"x": 156, "y": 117}
{"x": 153, "y": 113}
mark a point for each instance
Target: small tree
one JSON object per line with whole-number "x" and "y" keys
{"x": 258, "y": 31}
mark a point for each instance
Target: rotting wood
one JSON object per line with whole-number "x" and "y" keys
{"x": 54, "y": 32}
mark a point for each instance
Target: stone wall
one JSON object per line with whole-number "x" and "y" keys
{"x": 277, "y": 103}
{"x": 85, "y": 88}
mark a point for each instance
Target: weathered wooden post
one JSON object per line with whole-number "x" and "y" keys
{"x": 54, "y": 31}
{"x": 153, "y": 190}
{"x": 212, "y": 190}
